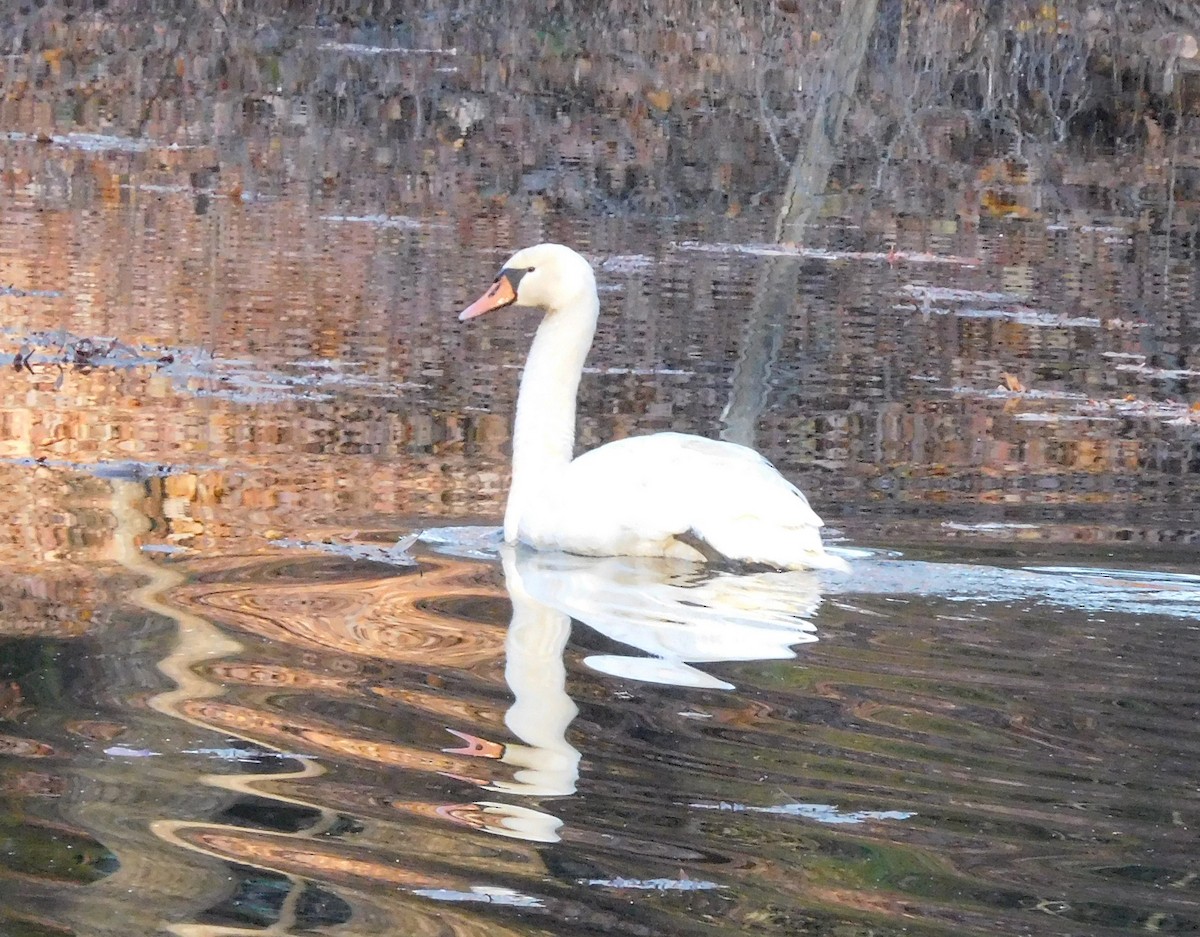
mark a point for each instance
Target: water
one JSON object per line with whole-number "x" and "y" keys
{"x": 264, "y": 667}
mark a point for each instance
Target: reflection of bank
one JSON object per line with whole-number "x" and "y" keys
{"x": 677, "y": 613}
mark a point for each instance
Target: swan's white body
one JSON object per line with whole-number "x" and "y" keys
{"x": 637, "y": 496}
{"x": 669, "y": 494}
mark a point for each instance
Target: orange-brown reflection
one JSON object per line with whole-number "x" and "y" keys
{"x": 276, "y": 730}
{"x": 18, "y": 747}
{"x": 393, "y": 618}
{"x": 330, "y": 861}
{"x": 55, "y": 541}
{"x": 274, "y": 676}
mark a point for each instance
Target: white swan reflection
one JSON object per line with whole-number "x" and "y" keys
{"x": 676, "y": 613}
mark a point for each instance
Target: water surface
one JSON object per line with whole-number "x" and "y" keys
{"x": 238, "y": 694}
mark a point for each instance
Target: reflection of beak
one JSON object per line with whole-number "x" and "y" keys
{"x": 502, "y": 293}
{"x": 476, "y": 747}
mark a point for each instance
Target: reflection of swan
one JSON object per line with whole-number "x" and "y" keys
{"x": 674, "y": 610}
{"x": 547, "y": 764}
{"x": 668, "y": 494}
{"x": 541, "y": 710}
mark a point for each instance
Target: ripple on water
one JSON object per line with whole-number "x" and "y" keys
{"x": 334, "y": 606}
{"x": 952, "y": 741}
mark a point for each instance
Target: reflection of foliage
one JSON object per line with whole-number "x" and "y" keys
{"x": 1032, "y": 71}
{"x": 1027, "y": 66}
{"x": 33, "y": 671}
{"x": 53, "y": 854}
{"x": 259, "y": 898}
{"x": 1011, "y": 71}
{"x": 524, "y": 99}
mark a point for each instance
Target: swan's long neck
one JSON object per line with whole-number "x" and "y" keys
{"x": 544, "y": 433}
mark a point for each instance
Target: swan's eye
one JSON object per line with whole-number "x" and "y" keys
{"x": 530, "y": 269}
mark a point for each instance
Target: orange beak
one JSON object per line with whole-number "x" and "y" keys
{"x": 500, "y": 294}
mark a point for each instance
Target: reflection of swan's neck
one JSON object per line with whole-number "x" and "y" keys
{"x": 544, "y": 434}
{"x": 541, "y": 709}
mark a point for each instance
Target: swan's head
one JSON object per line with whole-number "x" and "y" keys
{"x": 547, "y": 276}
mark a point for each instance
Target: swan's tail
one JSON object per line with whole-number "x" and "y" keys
{"x": 759, "y": 543}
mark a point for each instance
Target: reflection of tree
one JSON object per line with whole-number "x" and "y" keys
{"x": 774, "y": 297}
{"x": 1036, "y": 72}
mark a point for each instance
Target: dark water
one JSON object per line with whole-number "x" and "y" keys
{"x": 237, "y": 696}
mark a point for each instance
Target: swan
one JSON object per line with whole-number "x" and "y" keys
{"x": 666, "y": 494}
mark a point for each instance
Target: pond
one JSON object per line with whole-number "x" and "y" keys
{"x": 265, "y": 664}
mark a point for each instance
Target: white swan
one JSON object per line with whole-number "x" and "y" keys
{"x": 668, "y": 494}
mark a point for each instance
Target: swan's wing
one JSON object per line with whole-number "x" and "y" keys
{"x": 755, "y": 485}
{"x": 637, "y": 495}
{"x": 680, "y": 475}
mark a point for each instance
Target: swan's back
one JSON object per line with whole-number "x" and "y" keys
{"x": 678, "y": 495}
